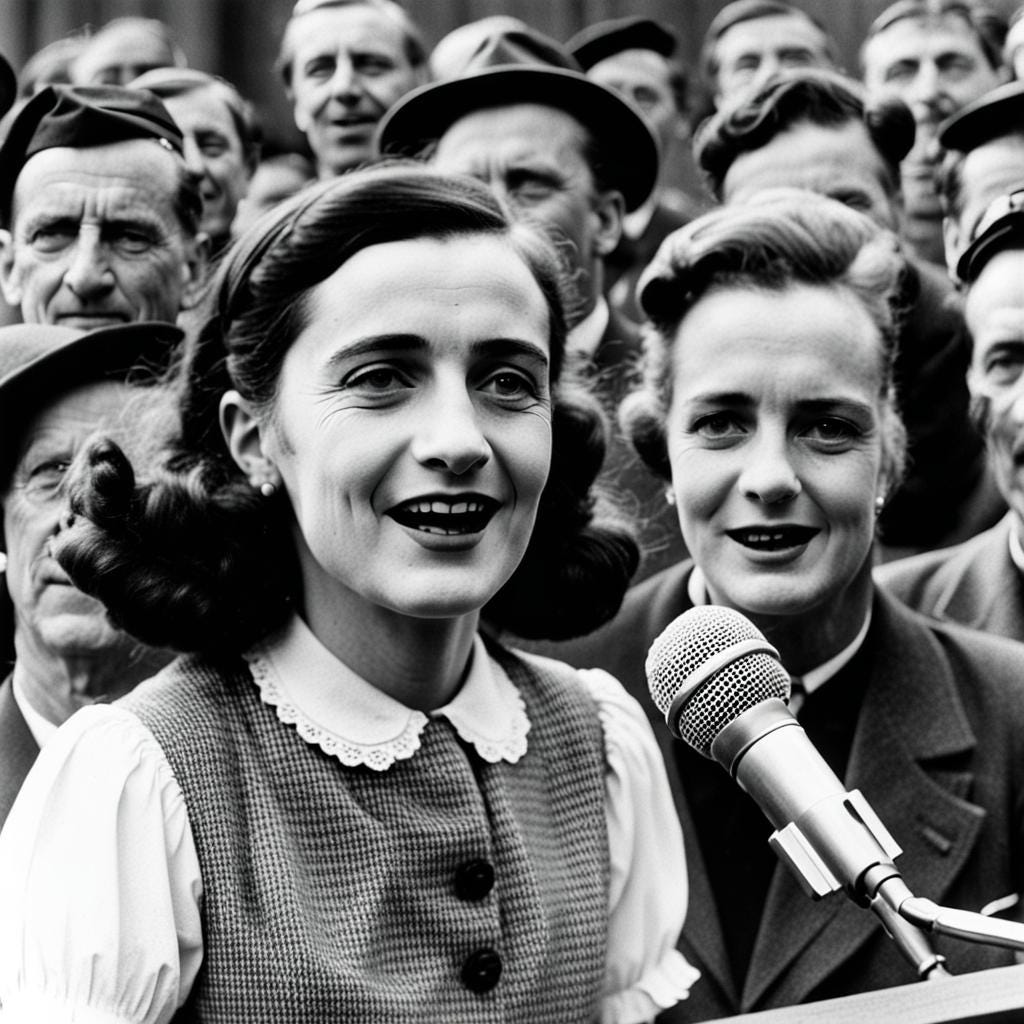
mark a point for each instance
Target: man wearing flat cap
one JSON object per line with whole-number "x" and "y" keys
{"x": 573, "y": 157}
{"x": 980, "y": 583}
{"x": 57, "y": 387}
{"x": 635, "y": 57}
{"x": 984, "y": 160}
{"x": 99, "y": 216}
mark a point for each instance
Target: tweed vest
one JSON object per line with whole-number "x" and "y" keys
{"x": 445, "y": 889}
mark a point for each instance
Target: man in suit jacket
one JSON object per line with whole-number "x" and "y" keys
{"x": 926, "y": 720}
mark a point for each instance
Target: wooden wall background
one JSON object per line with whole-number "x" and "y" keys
{"x": 238, "y": 38}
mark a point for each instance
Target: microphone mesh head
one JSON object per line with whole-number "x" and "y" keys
{"x": 684, "y": 647}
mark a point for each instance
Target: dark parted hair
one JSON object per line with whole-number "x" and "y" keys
{"x": 787, "y": 237}
{"x": 196, "y": 559}
{"x": 806, "y": 96}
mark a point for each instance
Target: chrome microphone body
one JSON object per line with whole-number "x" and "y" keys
{"x": 828, "y": 836}
{"x": 722, "y": 689}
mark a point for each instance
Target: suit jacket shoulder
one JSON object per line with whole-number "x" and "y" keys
{"x": 974, "y": 583}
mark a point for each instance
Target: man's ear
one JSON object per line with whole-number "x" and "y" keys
{"x": 609, "y": 209}
{"x": 10, "y": 283}
{"x": 243, "y": 434}
{"x": 194, "y": 270}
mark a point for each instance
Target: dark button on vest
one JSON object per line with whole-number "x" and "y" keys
{"x": 474, "y": 880}
{"x": 482, "y": 970}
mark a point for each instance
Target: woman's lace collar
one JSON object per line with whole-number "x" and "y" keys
{"x": 348, "y": 718}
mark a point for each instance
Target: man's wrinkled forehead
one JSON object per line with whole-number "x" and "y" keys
{"x": 121, "y": 181}
{"x": 513, "y": 132}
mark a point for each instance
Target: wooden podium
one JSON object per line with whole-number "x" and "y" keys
{"x": 985, "y": 997}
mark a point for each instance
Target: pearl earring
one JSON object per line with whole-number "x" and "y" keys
{"x": 268, "y": 488}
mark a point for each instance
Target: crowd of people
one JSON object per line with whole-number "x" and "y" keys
{"x": 344, "y": 492}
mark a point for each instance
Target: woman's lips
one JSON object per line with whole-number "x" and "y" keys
{"x": 446, "y": 516}
{"x": 773, "y": 538}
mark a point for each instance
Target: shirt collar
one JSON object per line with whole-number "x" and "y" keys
{"x": 585, "y": 337}
{"x": 350, "y": 719}
{"x": 697, "y": 591}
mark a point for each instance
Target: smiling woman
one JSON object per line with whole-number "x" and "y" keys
{"x": 393, "y": 815}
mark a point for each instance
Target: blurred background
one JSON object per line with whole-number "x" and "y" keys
{"x": 238, "y": 38}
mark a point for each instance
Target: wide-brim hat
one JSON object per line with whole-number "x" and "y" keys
{"x": 41, "y": 361}
{"x": 1001, "y": 227}
{"x": 523, "y": 66}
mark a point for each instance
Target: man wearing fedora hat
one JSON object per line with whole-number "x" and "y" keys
{"x": 980, "y": 583}
{"x": 57, "y": 387}
{"x": 573, "y": 157}
{"x": 98, "y": 213}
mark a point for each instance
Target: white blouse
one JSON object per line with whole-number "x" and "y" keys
{"x": 100, "y": 881}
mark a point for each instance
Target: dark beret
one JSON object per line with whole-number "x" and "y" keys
{"x": 594, "y": 43}
{"x": 81, "y": 116}
{"x": 38, "y": 362}
{"x": 1001, "y": 227}
{"x": 999, "y": 111}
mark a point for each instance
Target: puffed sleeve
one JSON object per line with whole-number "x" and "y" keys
{"x": 645, "y": 972}
{"x": 99, "y": 881}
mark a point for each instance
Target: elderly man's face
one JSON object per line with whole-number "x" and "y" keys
{"x": 534, "y": 158}
{"x": 95, "y": 238}
{"x": 214, "y": 153}
{"x": 751, "y": 51}
{"x": 52, "y": 617}
{"x": 349, "y": 65}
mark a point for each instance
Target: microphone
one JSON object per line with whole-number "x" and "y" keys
{"x": 722, "y": 690}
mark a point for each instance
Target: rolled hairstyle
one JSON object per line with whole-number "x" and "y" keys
{"x": 198, "y": 560}
{"x": 788, "y": 237}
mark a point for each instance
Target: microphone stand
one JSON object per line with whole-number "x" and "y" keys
{"x": 958, "y": 924}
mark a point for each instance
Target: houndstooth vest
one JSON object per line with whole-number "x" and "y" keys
{"x": 445, "y": 889}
